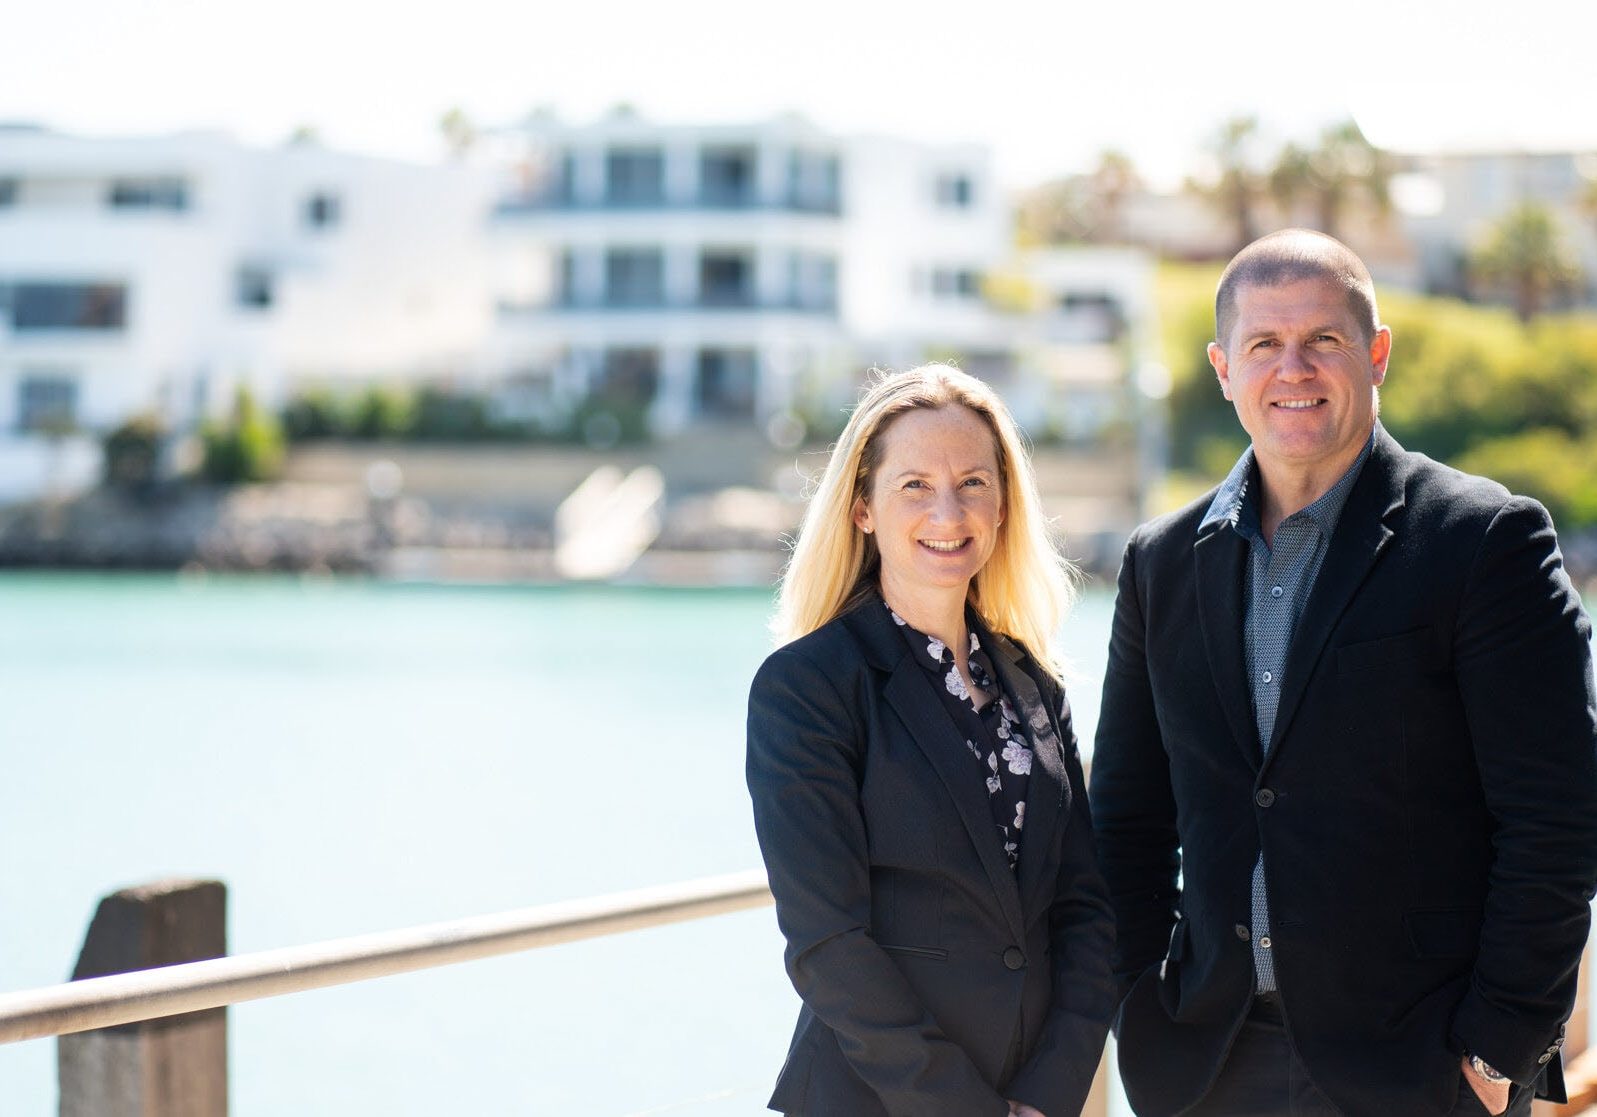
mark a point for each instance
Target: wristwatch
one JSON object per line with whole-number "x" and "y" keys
{"x": 1481, "y": 1067}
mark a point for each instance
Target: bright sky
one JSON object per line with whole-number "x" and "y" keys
{"x": 1046, "y": 84}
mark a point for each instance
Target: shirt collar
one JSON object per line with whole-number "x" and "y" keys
{"x": 1236, "y": 501}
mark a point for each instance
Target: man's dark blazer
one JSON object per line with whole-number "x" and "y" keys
{"x": 934, "y": 981}
{"x": 1427, "y": 812}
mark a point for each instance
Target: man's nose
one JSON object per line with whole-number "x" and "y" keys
{"x": 1294, "y": 364}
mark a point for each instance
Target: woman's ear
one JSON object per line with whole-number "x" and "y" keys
{"x": 862, "y": 515}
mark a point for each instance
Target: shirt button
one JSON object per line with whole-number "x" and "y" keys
{"x": 1264, "y": 941}
{"x": 1276, "y": 591}
{"x": 1264, "y": 797}
{"x": 1544, "y": 1059}
{"x": 1267, "y": 677}
{"x": 1242, "y": 932}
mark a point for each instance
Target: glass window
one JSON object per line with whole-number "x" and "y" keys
{"x": 323, "y": 210}
{"x": 812, "y": 182}
{"x": 726, "y": 382}
{"x": 8, "y": 192}
{"x": 149, "y": 193}
{"x": 255, "y": 287}
{"x": 634, "y": 176}
{"x": 954, "y": 191}
{"x": 68, "y": 306}
{"x": 726, "y": 176}
{"x": 47, "y": 403}
{"x": 629, "y": 376}
{"x": 726, "y": 279}
{"x": 634, "y": 277}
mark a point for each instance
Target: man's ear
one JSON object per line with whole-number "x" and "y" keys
{"x": 1221, "y": 368}
{"x": 1380, "y": 353}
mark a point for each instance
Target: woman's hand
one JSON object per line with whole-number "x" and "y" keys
{"x": 1021, "y": 1109}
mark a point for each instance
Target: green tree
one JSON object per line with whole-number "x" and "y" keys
{"x": 1525, "y": 258}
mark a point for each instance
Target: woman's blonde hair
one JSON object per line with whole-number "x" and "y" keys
{"x": 1026, "y": 586}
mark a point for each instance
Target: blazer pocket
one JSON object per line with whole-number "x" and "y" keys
{"x": 1414, "y": 650}
{"x": 916, "y": 951}
{"x": 1444, "y": 933}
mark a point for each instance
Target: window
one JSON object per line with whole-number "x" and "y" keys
{"x": 8, "y": 192}
{"x": 726, "y": 279}
{"x": 954, "y": 190}
{"x": 812, "y": 281}
{"x": 149, "y": 193}
{"x": 633, "y": 277}
{"x": 812, "y": 182}
{"x": 68, "y": 306}
{"x": 725, "y": 385}
{"x": 48, "y": 404}
{"x": 634, "y": 177}
{"x": 566, "y": 292}
{"x": 323, "y": 210}
{"x": 629, "y": 376}
{"x": 956, "y": 283}
{"x": 726, "y": 176}
{"x": 254, "y": 287}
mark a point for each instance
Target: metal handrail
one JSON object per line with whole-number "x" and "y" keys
{"x": 102, "y": 1002}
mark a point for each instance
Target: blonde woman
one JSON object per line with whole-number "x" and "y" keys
{"x": 917, "y": 792}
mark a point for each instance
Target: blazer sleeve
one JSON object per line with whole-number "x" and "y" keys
{"x": 1133, "y": 806}
{"x": 1522, "y": 656}
{"x": 1058, "y": 1076}
{"x": 805, "y": 756}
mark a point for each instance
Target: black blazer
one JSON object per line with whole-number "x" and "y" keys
{"x": 1428, "y": 811}
{"x": 934, "y": 982}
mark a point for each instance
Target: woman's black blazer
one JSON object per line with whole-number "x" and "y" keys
{"x": 934, "y": 979}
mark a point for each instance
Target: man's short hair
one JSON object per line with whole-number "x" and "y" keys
{"x": 1289, "y": 256}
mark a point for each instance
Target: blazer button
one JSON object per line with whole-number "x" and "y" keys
{"x": 1544, "y": 1059}
{"x": 1014, "y": 958}
{"x": 1242, "y": 932}
{"x": 1264, "y": 797}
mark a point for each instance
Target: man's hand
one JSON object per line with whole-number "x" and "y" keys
{"x": 1493, "y": 1095}
{"x": 1021, "y": 1109}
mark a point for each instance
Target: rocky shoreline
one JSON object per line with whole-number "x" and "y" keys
{"x": 730, "y": 537}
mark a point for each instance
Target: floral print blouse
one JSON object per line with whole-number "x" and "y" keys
{"x": 1000, "y": 751}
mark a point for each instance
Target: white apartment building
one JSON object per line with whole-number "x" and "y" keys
{"x": 732, "y": 272}
{"x": 159, "y": 274}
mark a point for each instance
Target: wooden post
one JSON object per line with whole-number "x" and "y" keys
{"x": 173, "y": 1067}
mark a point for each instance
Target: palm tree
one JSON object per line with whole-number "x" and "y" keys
{"x": 1525, "y": 255}
{"x": 1113, "y": 182}
{"x": 1236, "y": 187}
{"x": 1343, "y": 165}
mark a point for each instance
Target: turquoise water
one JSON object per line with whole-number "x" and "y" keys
{"x": 353, "y": 756}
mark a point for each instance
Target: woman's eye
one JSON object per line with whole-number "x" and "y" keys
{"x": 975, "y": 482}
{"x": 914, "y": 484}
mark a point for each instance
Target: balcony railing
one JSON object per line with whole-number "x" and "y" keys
{"x": 712, "y": 201}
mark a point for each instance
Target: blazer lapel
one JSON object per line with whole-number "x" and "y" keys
{"x": 1362, "y": 533}
{"x": 1221, "y": 556}
{"x": 1048, "y": 799}
{"x": 910, "y": 693}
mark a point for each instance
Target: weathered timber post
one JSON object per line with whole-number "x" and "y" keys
{"x": 173, "y": 1067}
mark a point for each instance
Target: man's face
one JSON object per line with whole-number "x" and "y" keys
{"x": 1302, "y": 374}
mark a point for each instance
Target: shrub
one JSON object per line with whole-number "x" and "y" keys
{"x": 133, "y": 454}
{"x": 248, "y": 447}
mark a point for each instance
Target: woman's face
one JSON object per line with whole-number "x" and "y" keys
{"x": 936, "y": 501}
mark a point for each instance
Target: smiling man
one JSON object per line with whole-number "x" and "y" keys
{"x": 1345, "y": 781}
